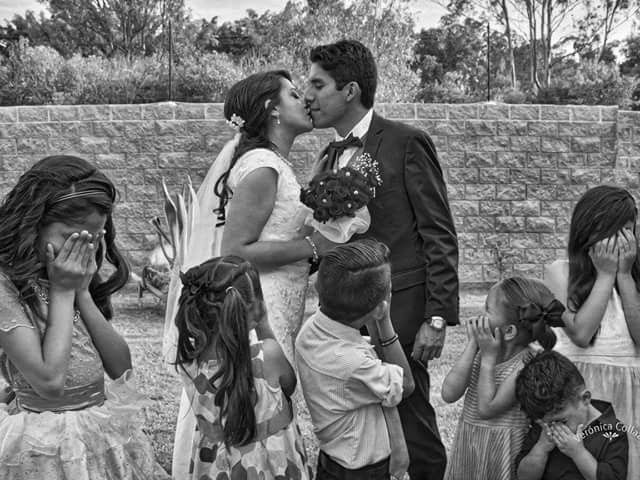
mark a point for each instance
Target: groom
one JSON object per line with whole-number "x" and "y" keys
{"x": 410, "y": 214}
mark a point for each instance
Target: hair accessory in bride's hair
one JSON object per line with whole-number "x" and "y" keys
{"x": 236, "y": 122}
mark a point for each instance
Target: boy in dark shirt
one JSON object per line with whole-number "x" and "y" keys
{"x": 571, "y": 437}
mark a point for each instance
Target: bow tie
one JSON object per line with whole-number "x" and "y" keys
{"x": 335, "y": 149}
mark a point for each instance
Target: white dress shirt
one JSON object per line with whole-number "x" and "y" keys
{"x": 359, "y": 130}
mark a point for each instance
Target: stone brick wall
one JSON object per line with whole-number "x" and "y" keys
{"x": 514, "y": 172}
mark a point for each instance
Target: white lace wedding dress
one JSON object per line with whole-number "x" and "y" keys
{"x": 284, "y": 287}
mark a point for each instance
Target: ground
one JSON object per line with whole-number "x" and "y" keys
{"x": 141, "y": 323}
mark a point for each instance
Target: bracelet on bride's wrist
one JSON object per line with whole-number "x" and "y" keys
{"x": 314, "y": 249}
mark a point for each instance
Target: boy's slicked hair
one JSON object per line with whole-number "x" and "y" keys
{"x": 349, "y": 61}
{"x": 547, "y": 383}
{"x": 353, "y": 279}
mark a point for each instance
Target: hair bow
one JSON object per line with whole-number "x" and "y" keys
{"x": 551, "y": 314}
{"x": 188, "y": 283}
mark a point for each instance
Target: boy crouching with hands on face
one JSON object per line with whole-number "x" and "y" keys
{"x": 351, "y": 393}
{"x": 572, "y": 436}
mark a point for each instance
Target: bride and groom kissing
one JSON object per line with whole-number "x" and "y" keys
{"x": 250, "y": 206}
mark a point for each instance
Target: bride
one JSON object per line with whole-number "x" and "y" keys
{"x": 249, "y": 205}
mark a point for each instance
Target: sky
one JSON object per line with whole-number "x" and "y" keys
{"x": 427, "y": 12}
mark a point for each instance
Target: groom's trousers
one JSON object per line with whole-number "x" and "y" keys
{"x": 427, "y": 456}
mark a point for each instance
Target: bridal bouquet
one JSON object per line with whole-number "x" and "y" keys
{"x": 338, "y": 198}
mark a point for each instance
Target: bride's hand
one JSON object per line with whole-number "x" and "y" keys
{"x": 322, "y": 243}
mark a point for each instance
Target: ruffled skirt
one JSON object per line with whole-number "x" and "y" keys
{"x": 96, "y": 443}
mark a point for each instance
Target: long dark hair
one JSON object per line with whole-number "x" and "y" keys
{"x": 218, "y": 299}
{"x": 518, "y": 297}
{"x": 252, "y": 99}
{"x": 600, "y": 213}
{"x": 32, "y": 205}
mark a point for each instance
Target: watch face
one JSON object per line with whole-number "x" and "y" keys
{"x": 437, "y": 322}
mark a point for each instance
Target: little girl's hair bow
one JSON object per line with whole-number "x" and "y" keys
{"x": 551, "y": 314}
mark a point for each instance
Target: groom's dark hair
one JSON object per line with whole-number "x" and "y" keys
{"x": 353, "y": 279}
{"x": 349, "y": 61}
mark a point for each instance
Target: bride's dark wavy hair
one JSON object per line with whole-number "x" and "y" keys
{"x": 32, "y": 205}
{"x": 218, "y": 299}
{"x": 600, "y": 213}
{"x": 252, "y": 99}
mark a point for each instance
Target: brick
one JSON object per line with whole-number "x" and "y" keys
{"x": 511, "y": 159}
{"x": 494, "y": 208}
{"x": 126, "y": 112}
{"x": 453, "y": 127}
{"x": 583, "y": 129}
{"x": 123, "y": 145}
{"x": 467, "y": 240}
{"x": 608, "y": 114}
{"x": 540, "y": 224}
{"x": 64, "y": 145}
{"x": 544, "y": 128}
{"x": 154, "y": 144}
{"x": 463, "y": 208}
{"x": 477, "y": 256}
{"x": 555, "y": 176}
{"x": 562, "y": 224}
{"x": 524, "y": 240}
{"x": 158, "y": 111}
{"x": 480, "y": 192}
{"x": 32, "y": 145}
{"x": 556, "y": 208}
{"x": 531, "y": 270}
{"x": 554, "y": 240}
{"x": 512, "y": 127}
{"x": 569, "y": 160}
{"x": 525, "y": 112}
{"x": 139, "y": 193}
{"x": 494, "y": 175}
{"x": 494, "y": 241}
{"x": 138, "y": 129}
{"x": 455, "y": 191}
{"x": 8, "y": 114}
{"x": 585, "y": 114}
{"x": 479, "y": 224}
{"x": 586, "y": 144}
{"x": 214, "y": 111}
{"x": 402, "y": 111}
{"x": 110, "y": 160}
{"x": 440, "y": 142}
{"x": 492, "y": 273}
{"x": 470, "y": 273}
{"x": 493, "y": 143}
{"x": 94, "y": 145}
{"x": 555, "y": 112}
{"x": 525, "y": 144}
{"x": 475, "y": 159}
{"x": 94, "y": 112}
{"x": 541, "y": 192}
{"x": 525, "y": 208}
{"x": 139, "y": 161}
{"x": 511, "y": 255}
{"x": 542, "y": 160}
{"x": 511, "y": 192}
{"x": 525, "y": 175}
{"x": 462, "y": 175}
{"x": 480, "y": 127}
{"x": 494, "y": 112}
{"x": 464, "y": 112}
{"x": 585, "y": 175}
{"x": 510, "y": 224}
{"x": 451, "y": 159}
{"x": 188, "y": 144}
{"x": 173, "y": 160}
{"x": 554, "y": 144}
{"x": 191, "y": 111}
{"x": 570, "y": 192}
{"x": 33, "y": 114}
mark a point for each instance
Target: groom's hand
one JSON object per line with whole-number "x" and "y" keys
{"x": 428, "y": 343}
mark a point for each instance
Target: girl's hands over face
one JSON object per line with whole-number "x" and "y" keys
{"x": 92, "y": 264}
{"x": 68, "y": 269}
{"x": 604, "y": 255}
{"x": 490, "y": 343}
{"x": 628, "y": 249}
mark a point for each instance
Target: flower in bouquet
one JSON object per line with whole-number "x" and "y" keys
{"x": 340, "y": 193}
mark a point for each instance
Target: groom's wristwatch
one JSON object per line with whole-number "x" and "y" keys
{"x": 436, "y": 322}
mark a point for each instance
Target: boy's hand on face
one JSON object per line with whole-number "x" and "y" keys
{"x": 545, "y": 441}
{"x": 568, "y": 442}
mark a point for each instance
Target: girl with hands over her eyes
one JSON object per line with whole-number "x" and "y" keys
{"x": 518, "y": 311}
{"x": 600, "y": 285}
{"x": 57, "y": 344}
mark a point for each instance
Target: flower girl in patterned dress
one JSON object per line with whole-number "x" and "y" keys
{"x": 56, "y": 232}
{"x": 239, "y": 390}
{"x": 492, "y": 427}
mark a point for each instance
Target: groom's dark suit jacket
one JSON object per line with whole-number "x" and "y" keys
{"x": 410, "y": 213}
